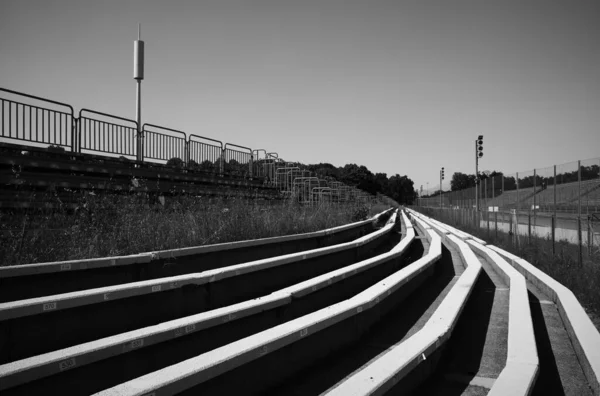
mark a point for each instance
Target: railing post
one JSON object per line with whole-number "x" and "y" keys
{"x": 251, "y": 164}
{"x": 187, "y": 154}
{"x": 75, "y": 133}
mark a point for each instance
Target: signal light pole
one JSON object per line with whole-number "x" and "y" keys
{"x": 441, "y": 178}
{"x": 478, "y": 154}
{"x": 138, "y": 76}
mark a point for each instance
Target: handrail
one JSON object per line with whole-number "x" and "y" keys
{"x": 235, "y": 145}
{"x": 40, "y": 98}
{"x": 206, "y": 138}
{"x": 165, "y": 128}
{"x": 105, "y": 115}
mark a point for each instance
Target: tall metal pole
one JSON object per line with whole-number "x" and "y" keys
{"x": 138, "y": 75}
{"x": 518, "y": 204}
{"x": 440, "y": 189}
{"x": 476, "y": 177}
{"x": 534, "y": 200}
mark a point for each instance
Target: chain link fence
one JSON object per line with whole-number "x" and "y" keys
{"x": 559, "y": 203}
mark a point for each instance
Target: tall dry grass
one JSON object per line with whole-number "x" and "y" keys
{"x": 114, "y": 225}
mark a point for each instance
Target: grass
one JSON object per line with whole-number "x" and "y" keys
{"x": 583, "y": 281}
{"x": 115, "y": 225}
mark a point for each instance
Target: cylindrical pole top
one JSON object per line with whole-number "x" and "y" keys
{"x": 138, "y": 57}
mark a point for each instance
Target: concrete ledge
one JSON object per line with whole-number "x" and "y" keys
{"x": 36, "y": 280}
{"x": 73, "y": 265}
{"x": 58, "y": 302}
{"x": 99, "y": 313}
{"x": 189, "y": 373}
{"x": 42, "y": 305}
{"x": 19, "y": 372}
{"x": 582, "y": 332}
{"x": 522, "y": 350}
{"x": 385, "y": 372}
{"x": 36, "y": 367}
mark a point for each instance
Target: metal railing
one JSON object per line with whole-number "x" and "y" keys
{"x": 165, "y": 144}
{"x": 205, "y": 154}
{"x": 54, "y": 124}
{"x": 237, "y": 163}
{"x": 99, "y": 135}
{"x": 27, "y": 122}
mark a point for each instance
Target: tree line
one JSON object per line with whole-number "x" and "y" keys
{"x": 399, "y": 188}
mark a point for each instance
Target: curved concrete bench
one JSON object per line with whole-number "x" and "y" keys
{"x": 22, "y": 371}
{"x": 582, "y": 332}
{"x": 154, "y": 301}
{"x": 35, "y": 280}
{"x": 33, "y": 306}
{"x": 383, "y": 373}
{"x": 522, "y": 364}
{"x": 194, "y": 371}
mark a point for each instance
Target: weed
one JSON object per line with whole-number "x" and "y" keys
{"x": 105, "y": 225}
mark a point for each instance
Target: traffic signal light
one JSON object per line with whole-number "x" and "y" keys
{"x": 479, "y": 151}
{"x": 442, "y": 173}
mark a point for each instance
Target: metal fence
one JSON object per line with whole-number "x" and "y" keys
{"x": 560, "y": 202}
{"x": 105, "y": 133}
{"x": 44, "y": 124}
{"x": 165, "y": 144}
{"x": 568, "y": 188}
{"x": 50, "y": 122}
{"x": 237, "y": 160}
{"x": 205, "y": 154}
{"x": 525, "y": 228}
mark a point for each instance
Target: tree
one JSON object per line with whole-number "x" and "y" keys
{"x": 460, "y": 181}
{"x": 401, "y": 189}
{"x": 175, "y": 162}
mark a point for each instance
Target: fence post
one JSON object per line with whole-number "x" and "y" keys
{"x": 510, "y": 228}
{"x": 529, "y": 227}
{"x": 518, "y": 200}
{"x": 554, "y": 235}
{"x": 485, "y": 192}
{"x": 487, "y": 215}
{"x": 589, "y": 235}
{"x": 502, "y": 192}
{"x": 554, "y": 217}
{"x": 579, "y": 214}
{"x": 251, "y": 164}
{"x": 221, "y": 162}
{"x": 496, "y": 223}
{"x": 186, "y": 154}
{"x": 534, "y": 200}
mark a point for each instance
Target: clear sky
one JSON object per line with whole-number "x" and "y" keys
{"x": 398, "y": 86}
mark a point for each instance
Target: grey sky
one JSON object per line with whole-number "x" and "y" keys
{"x": 398, "y": 86}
